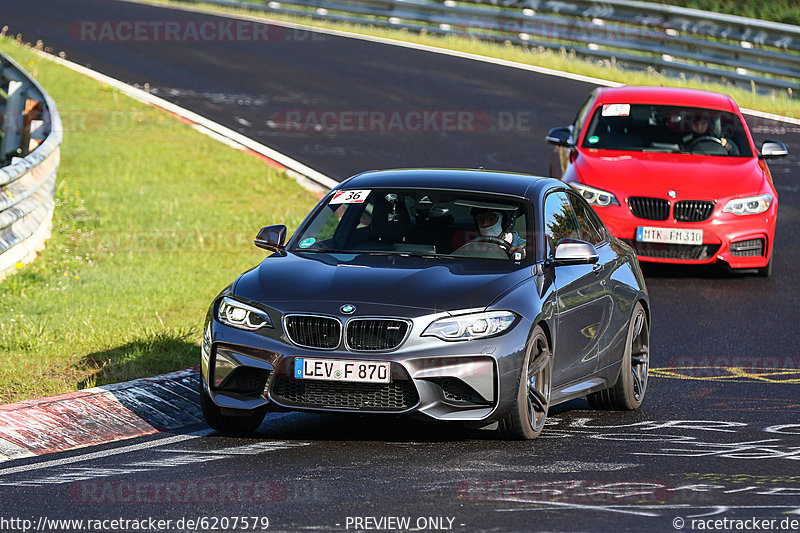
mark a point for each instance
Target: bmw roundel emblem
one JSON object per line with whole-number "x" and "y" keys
{"x": 348, "y": 309}
{"x": 672, "y": 194}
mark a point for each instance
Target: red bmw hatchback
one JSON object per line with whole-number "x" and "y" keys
{"x": 674, "y": 173}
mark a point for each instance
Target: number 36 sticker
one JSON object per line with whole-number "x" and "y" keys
{"x": 350, "y": 197}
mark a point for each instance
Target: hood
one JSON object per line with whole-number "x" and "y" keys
{"x": 693, "y": 177}
{"x": 319, "y": 282}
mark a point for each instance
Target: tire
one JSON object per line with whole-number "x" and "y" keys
{"x": 226, "y": 424}
{"x": 628, "y": 392}
{"x": 527, "y": 418}
{"x": 761, "y": 272}
{"x": 766, "y": 271}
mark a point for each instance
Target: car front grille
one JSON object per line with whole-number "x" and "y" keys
{"x": 398, "y": 395}
{"x": 375, "y": 334}
{"x": 312, "y": 331}
{"x": 649, "y": 208}
{"x": 748, "y": 248}
{"x": 687, "y": 252}
{"x": 693, "y": 210}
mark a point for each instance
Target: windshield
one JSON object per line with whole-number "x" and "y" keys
{"x": 671, "y": 129}
{"x": 420, "y": 222}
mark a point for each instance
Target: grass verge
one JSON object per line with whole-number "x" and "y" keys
{"x": 779, "y": 103}
{"x": 152, "y": 219}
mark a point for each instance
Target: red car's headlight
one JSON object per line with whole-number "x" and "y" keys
{"x": 594, "y": 196}
{"x": 752, "y": 205}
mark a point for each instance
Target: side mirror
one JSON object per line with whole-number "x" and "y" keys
{"x": 560, "y": 136}
{"x": 271, "y": 238}
{"x": 771, "y": 149}
{"x": 574, "y": 252}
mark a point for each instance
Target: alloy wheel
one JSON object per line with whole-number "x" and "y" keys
{"x": 640, "y": 355}
{"x": 539, "y": 379}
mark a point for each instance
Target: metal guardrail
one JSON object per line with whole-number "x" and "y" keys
{"x": 674, "y": 41}
{"x": 30, "y": 148}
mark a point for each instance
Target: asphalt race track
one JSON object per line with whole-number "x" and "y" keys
{"x": 717, "y": 438}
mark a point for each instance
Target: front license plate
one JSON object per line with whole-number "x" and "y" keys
{"x": 342, "y": 370}
{"x": 669, "y": 235}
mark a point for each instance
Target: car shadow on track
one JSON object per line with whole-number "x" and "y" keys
{"x": 379, "y": 428}
{"x": 713, "y": 271}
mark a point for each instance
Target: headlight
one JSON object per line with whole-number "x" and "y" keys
{"x": 468, "y": 327}
{"x": 749, "y": 206}
{"x": 594, "y": 196}
{"x": 242, "y": 316}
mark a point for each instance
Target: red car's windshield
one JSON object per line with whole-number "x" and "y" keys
{"x": 671, "y": 129}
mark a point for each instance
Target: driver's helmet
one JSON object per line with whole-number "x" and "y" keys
{"x": 490, "y": 222}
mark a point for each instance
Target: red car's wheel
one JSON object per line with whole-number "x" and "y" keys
{"x": 766, "y": 271}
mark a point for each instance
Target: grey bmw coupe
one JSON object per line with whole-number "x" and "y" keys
{"x": 457, "y": 295}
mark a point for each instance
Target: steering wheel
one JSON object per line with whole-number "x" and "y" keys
{"x": 493, "y": 240}
{"x": 714, "y": 141}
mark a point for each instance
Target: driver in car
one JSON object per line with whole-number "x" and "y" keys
{"x": 700, "y": 130}
{"x": 490, "y": 223}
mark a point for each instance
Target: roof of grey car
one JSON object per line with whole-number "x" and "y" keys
{"x": 451, "y": 179}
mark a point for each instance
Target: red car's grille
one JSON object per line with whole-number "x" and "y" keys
{"x": 673, "y": 251}
{"x": 748, "y": 248}
{"x": 693, "y": 210}
{"x": 649, "y": 208}
{"x": 658, "y": 209}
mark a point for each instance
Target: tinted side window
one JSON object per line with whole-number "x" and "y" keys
{"x": 559, "y": 220}
{"x": 591, "y": 228}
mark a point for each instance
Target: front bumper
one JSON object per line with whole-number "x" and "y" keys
{"x": 725, "y": 237}
{"x": 459, "y": 381}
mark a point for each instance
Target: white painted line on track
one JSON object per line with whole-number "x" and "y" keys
{"x": 217, "y": 136}
{"x": 230, "y": 135}
{"x": 770, "y": 116}
{"x": 105, "y": 453}
{"x": 425, "y": 48}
